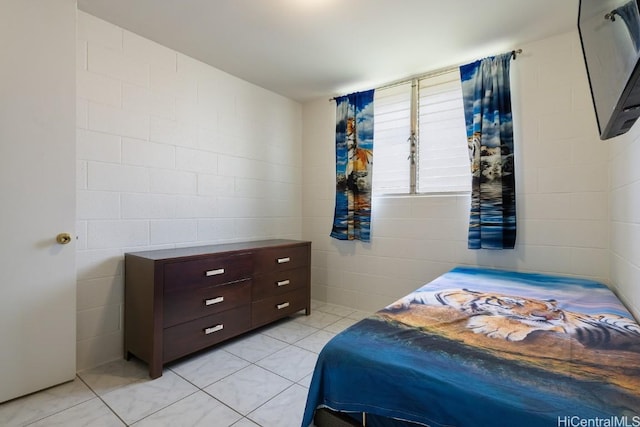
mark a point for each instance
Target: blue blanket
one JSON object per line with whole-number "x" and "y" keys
{"x": 479, "y": 347}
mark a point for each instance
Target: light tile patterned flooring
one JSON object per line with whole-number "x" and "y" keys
{"x": 258, "y": 379}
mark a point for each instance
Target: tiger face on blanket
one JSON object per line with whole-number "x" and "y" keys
{"x": 513, "y": 318}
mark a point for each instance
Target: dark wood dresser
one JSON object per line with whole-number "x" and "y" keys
{"x": 178, "y": 301}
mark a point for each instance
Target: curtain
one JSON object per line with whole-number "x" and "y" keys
{"x": 629, "y": 14}
{"x": 354, "y": 155}
{"x": 487, "y": 109}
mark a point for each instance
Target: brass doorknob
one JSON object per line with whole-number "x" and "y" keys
{"x": 63, "y": 238}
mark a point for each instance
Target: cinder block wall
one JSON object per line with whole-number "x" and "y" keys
{"x": 561, "y": 184}
{"x": 171, "y": 152}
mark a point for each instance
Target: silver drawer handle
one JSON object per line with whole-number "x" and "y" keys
{"x": 213, "y": 301}
{"x": 283, "y": 260}
{"x": 283, "y": 305}
{"x": 213, "y": 329}
{"x": 214, "y": 272}
{"x": 283, "y": 282}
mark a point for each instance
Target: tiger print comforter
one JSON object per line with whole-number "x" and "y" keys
{"x": 480, "y": 347}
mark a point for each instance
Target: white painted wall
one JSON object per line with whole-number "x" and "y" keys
{"x": 171, "y": 152}
{"x": 625, "y": 217}
{"x": 562, "y": 186}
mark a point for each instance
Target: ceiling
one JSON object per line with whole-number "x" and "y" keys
{"x": 305, "y": 49}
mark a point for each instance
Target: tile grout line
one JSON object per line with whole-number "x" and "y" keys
{"x": 202, "y": 389}
{"x": 340, "y": 314}
{"x": 102, "y": 400}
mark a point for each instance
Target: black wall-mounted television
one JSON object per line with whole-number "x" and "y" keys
{"x": 610, "y": 37}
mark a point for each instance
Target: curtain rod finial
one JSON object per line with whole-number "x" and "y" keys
{"x": 515, "y": 52}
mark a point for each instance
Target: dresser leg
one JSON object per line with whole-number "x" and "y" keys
{"x": 155, "y": 371}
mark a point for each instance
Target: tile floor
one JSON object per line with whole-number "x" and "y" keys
{"x": 259, "y": 379}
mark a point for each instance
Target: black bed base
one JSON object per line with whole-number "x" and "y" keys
{"x": 327, "y": 418}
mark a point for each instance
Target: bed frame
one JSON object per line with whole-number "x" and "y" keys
{"x": 328, "y": 418}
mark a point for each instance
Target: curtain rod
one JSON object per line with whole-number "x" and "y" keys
{"x": 433, "y": 73}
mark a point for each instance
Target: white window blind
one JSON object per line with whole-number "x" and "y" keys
{"x": 442, "y": 160}
{"x": 392, "y": 127}
{"x": 443, "y": 154}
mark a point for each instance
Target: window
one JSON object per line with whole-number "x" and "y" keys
{"x": 430, "y": 109}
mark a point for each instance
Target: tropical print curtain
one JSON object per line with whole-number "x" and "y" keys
{"x": 354, "y": 155}
{"x": 629, "y": 14}
{"x": 487, "y": 109}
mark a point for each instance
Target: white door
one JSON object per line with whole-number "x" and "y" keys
{"x": 37, "y": 195}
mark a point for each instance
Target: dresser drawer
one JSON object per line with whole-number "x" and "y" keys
{"x": 273, "y": 308}
{"x": 208, "y": 271}
{"x": 180, "y": 306}
{"x": 197, "y": 334}
{"x": 279, "y": 282}
{"x": 281, "y": 258}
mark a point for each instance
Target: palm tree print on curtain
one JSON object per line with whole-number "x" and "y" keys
{"x": 354, "y": 155}
{"x": 487, "y": 109}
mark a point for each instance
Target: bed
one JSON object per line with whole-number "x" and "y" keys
{"x": 481, "y": 347}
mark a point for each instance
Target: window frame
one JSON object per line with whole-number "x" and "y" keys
{"x": 414, "y": 141}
